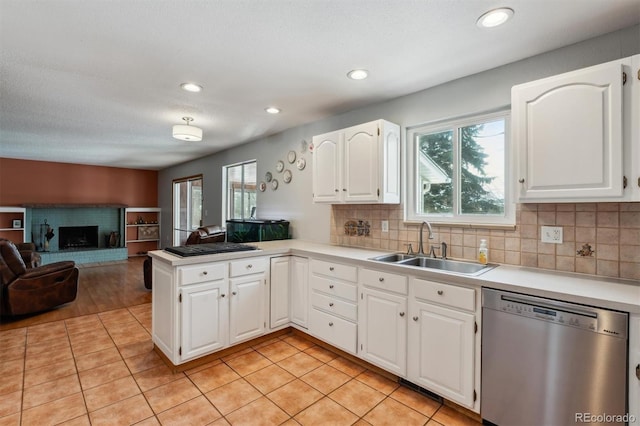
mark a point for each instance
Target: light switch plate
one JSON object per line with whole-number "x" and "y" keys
{"x": 385, "y": 226}
{"x": 551, "y": 234}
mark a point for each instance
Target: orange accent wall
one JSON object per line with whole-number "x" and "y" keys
{"x": 43, "y": 182}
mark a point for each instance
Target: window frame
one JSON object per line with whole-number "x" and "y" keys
{"x": 412, "y": 185}
{"x": 225, "y": 194}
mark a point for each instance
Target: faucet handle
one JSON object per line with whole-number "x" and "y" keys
{"x": 432, "y": 251}
{"x": 409, "y": 249}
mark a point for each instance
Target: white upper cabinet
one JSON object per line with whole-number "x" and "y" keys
{"x": 360, "y": 164}
{"x": 572, "y": 132}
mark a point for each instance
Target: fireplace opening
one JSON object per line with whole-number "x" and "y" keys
{"x": 73, "y": 237}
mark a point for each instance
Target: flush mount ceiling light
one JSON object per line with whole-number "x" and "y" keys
{"x": 191, "y": 87}
{"x": 185, "y": 132}
{"x": 358, "y": 74}
{"x": 273, "y": 110}
{"x": 494, "y": 17}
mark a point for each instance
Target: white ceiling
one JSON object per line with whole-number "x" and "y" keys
{"x": 97, "y": 81}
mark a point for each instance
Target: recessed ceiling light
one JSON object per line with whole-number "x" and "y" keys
{"x": 191, "y": 87}
{"x": 358, "y": 74}
{"x": 494, "y": 17}
{"x": 273, "y": 110}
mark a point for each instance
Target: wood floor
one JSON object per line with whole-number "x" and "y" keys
{"x": 101, "y": 288}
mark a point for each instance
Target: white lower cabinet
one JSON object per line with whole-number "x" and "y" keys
{"x": 382, "y": 320}
{"x": 204, "y": 318}
{"x": 634, "y": 367}
{"x": 299, "y": 291}
{"x": 333, "y": 298}
{"x": 247, "y": 299}
{"x": 280, "y": 290}
{"x": 442, "y": 340}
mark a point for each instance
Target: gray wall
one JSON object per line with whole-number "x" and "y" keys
{"x": 485, "y": 91}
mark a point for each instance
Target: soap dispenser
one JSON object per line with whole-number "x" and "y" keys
{"x": 483, "y": 252}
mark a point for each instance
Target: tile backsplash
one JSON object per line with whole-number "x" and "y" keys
{"x": 612, "y": 230}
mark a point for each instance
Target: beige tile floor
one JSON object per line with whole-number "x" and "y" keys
{"x": 100, "y": 369}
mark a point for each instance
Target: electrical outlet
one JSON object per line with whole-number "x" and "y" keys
{"x": 551, "y": 234}
{"x": 385, "y": 226}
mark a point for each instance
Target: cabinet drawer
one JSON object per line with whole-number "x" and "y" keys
{"x": 201, "y": 273}
{"x": 384, "y": 281}
{"x": 445, "y": 294}
{"x": 334, "y": 306}
{"x": 336, "y": 331}
{"x": 238, "y": 268}
{"x": 334, "y": 270}
{"x": 334, "y": 288}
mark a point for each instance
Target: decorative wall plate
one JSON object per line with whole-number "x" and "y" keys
{"x": 286, "y": 177}
{"x": 291, "y": 157}
{"x": 279, "y": 166}
{"x": 263, "y": 186}
{"x": 301, "y": 164}
{"x": 274, "y": 184}
{"x": 267, "y": 176}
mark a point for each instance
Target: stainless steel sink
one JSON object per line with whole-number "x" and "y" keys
{"x": 448, "y": 265}
{"x": 396, "y": 257}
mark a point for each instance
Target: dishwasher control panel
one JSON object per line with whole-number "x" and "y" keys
{"x": 587, "y": 320}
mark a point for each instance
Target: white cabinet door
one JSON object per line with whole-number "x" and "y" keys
{"x": 327, "y": 167}
{"x": 299, "y": 277}
{"x": 205, "y": 313}
{"x": 441, "y": 351}
{"x": 247, "y": 308}
{"x": 361, "y": 163}
{"x": 164, "y": 316}
{"x": 569, "y": 133}
{"x": 280, "y": 290}
{"x": 634, "y": 366}
{"x": 382, "y": 330}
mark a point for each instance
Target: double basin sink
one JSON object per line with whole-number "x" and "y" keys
{"x": 447, "y": 265}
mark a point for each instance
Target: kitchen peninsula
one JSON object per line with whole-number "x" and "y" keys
{"x": 337, "y": 294}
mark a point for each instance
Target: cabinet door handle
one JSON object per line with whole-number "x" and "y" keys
{"x": 204, "y": 272}
{"x": 330, "y": 285}
{"x": 381, "y": 279}
{"x": 222, "y": 295}
{"x": 331, "y": 268}
{"x": 344, "y": 189}
{"x": 521, "y": 180}
{"x": 401, "y": 314}
{"x": 440, "y": 292}
{"x": 415, "y": 318}
{"x": 638, "y": 371}
{"x": 233, "y": 293}
{"x": 330, "y": 324}
{"x": 331, "y": 304}
{"x": 336, "y": 190}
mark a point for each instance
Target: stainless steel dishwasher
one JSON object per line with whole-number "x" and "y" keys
{"x": 546, "y": 362}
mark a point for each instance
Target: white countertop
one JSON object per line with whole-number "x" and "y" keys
{"x": 612, "y": 293}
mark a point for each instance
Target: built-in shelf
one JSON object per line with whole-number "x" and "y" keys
{"x": 150, "y": 217}
{"x": 7, "y": 230}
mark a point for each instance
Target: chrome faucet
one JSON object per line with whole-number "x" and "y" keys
{"x": 421, "y": 248}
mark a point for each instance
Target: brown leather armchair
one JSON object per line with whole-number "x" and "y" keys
{"x": 28, "y": 290}
{"x": 207, "y": 234}
{"x": 28, "y": 252}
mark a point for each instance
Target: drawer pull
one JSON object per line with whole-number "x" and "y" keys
{"x": 415, "y": 318}
{"x": 249, "y": 266}
{"x": 401, "y": 314}
{"x": 330, "y": 285}
{"x": 204, "y": 272}
{"x": 330, "y": 324}
{"x": 331, "y": 304}
{"x": 381, "y": 279}
{"x": 331, "y": 268}
{"x": 440, "y": 292}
